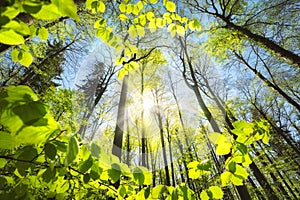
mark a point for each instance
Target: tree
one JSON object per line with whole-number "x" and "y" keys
{"x": 240, "y": 143}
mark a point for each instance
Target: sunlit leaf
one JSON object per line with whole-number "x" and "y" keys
{"x": 156, "y": 191}
{"x": 225, "y": 178}
{"x": 2, "y": 162}
{"x": 216, "y": 191}
{"x": 43, "y": 33}
{"x": 204, "y": 195}
{"x": 223, "y": 148}
{"x": 26, "y": 59}
{"x": 180, "y": 30}
{"x": 10, "y": 37}
{"x": 170, "y": 6}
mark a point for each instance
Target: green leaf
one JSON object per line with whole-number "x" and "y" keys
{"x": 50, "y": 151}
{"x": 193, "y": 164}
{"x": 66, "y": 8}
{"x": 138, "y": 176}
{"x": 72, "y": 150}
{"x": 122, "y": 7}
{"x": 204, "y": 195}
{"x": 216, "y": 191}
{"x": 86, "y": 165}
{"x": 232, "y": 167}
{"x": 95, "y": 150}
{"x": 122, "y": 191}
{"x": 28, "y": 153}
{"x": 61, "y": 146}
{"x": 123, "y": 17}
{"x": 30, "y": 112}
{"x": 86, "y": 178}
{"x": 33, "y": 7}
{"x": 241, "y": 147}
{"x": 10, "y": 37}
{"x": 7, "y": 141}
{"x": 205, "y": 165}
{"x": 142, "y": 176}
{"x": 43, "y": 33}
{"x": 10, "y": 12}
{"x": 170, "y": 6}
{"x": 26, "y": 59}
{"x": 153, "y": 1}
{"x": 49, "y": 174}
{"x": 115, "y": 172}
{"x": 48, "y": 12}
{"x": 266, "y": 137}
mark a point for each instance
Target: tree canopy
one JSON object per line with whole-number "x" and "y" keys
{"x": 149, "y": 99}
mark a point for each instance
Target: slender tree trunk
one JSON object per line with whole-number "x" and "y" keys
{"x": 170, "y": 152}
{"x": 274, "y": 178}
{"x": 279, "y": 173}
{"x": 168, "y": 183}
{"x": 128, "y": 143}
{"x": 270, "y": 84}
{"x": 267, "y": 43}
{"x": 242, "y": 190}
{"x": 118, "y": 138}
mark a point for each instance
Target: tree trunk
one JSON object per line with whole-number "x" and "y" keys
{"x": 270, "y": 84}
{"x": 267, "y": 43}
{"x": 170, "y": 153}
{"x": 118, "y": 138}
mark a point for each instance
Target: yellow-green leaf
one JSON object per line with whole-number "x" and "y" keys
{"x": 180, "y": 30}
{"x": 153, "y": 1}
{"x": 26, "y": 59}
{"x": 122, "y": 73}
{"x": 66, "y": 8}
{"x": 101, "y": 7}
{"x": 123, "y": 17}
{"x": 194, "y": 173}
{"x": 100, "y": 23}
{"x": 2, "y": 162}
{"x": 15, "y": 55}
{"x": 48, "y": 12}
{"x": 129, "y": 8}
{"x": 204, "y": 195}
{"x": 43, "y": 33}
{"x": 225, "y": 178}
{"x": 170, "y": 6}
{"x": 10, "y": 37}
{"x": 122, "y": 7}
{"x": 150, "y": 16}
{"x": 223, "y": 148}
{"x": 216, "y": 191}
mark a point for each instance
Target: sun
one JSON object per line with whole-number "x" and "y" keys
{"x": 148, "y": 102}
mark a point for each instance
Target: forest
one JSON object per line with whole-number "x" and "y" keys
{"x": 150, "y": 99}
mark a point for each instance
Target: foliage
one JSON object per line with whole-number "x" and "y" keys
{"x": 44, "y": 159}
